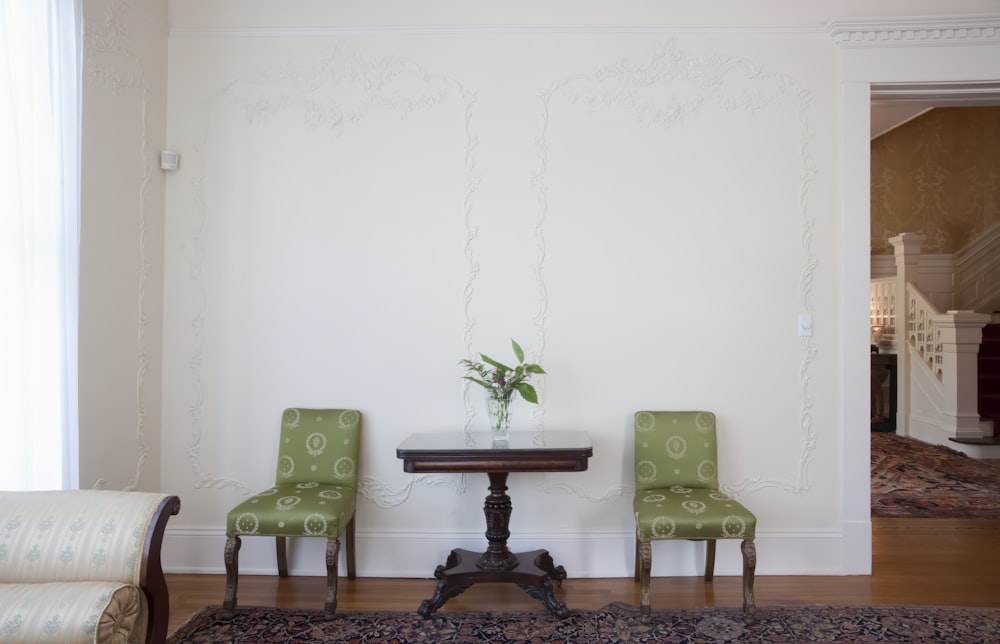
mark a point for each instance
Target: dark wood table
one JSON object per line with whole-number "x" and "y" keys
{"x": 550, "y": 451}
{"x": 884, "y": 392}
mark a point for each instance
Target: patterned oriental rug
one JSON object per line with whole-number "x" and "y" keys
{"x": 613, "y": 623}
{"x": 918, "y": 480}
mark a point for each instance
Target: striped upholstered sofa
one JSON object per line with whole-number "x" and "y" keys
{"x": 83, "y": 566}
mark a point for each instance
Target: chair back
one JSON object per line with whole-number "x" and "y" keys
{"x": 319, "y": 446}
{"x": 675, "y": 448}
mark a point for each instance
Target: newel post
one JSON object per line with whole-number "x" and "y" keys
{"x": 907, "y": 251}
{"x": 961, "y": 333}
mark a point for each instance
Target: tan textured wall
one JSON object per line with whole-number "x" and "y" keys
{"x": 938, "y": 175}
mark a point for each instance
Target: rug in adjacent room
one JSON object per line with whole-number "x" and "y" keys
{"x": 614, "y": 623}
{"x": 914, "y": 479}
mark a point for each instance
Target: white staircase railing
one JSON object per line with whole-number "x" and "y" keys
{"x": 883, "y": 309}
{"x": 921, "y": 331}
{"x": 938, "y": 400}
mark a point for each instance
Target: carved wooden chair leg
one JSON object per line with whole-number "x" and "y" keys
{"x": 646, "y": 563}
{"x": 232, "y": 557}
{"x": 710, "y": 560}
{"x": 637, "y": 559}
{"x": 349, "y": 538}
{"x": 282, "y": 553}
{"x": 332, "y": 554}
{"x": 749, "y": 566}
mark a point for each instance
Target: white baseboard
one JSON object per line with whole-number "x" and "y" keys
{"x": 610, "y": 554}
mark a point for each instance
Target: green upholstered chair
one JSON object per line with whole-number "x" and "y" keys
{"x": 314, "y": 495}
{"x": 677, "y": 496}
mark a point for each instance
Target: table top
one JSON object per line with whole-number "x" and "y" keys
{"x": 549, "y": 451}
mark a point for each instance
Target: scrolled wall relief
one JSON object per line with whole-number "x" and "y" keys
{"x": 669, "y": 89}
{"x": 332, "y": 95}
{"x": 111, "y": 65}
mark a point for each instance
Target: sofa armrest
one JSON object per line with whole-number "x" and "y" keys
{"x": 151, "y": 578}
{"x": 89, "y": 535}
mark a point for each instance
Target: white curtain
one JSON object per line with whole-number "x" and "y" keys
{"x": 40, "y": 75}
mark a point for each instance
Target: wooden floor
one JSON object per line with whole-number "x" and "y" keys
{"x": 942, "y": 562}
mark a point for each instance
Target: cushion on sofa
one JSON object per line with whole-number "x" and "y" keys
{"x": 91, "y": 611}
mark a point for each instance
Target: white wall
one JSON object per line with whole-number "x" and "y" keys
{"x": 121, "y": 258}
{"x": 358, "y": 210}
{"x": 368, "y": 196}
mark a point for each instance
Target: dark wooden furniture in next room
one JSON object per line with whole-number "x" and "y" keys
{"x": 883, "y": 397}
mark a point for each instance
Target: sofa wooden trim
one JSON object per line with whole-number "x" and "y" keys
{"x": 151, "y": 578}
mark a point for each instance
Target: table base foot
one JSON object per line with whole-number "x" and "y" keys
{"x": 546, "y": 595}
{"x": 534, "y": 573}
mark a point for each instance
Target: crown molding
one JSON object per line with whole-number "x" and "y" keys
{"x": 965, "y": 30}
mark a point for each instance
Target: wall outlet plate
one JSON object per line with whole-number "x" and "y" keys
{"x": 169, "y": 160}
{"x": 805, "y": 324}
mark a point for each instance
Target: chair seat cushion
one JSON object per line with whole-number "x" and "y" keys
{"x": 294, "y": 510}
{"x": 690, "y": 513}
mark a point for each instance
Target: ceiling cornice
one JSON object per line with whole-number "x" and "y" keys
{"x": 893, "y": 32}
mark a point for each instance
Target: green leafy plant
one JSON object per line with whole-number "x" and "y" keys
{"x": 502, "y": 381}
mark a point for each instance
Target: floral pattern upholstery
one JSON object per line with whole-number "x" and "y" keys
{"x": 314, "y": 493}
{"x": 317, "y": 479}
{"x": 71, "y": 565}
{"x": 88, "y": 611}
{"x": 677, "y": 494}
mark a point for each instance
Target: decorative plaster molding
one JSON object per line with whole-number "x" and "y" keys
{"x": 625, "y": 85}
{"x": 613, "y": 492}
{"x": 111, "y": 64}
{"x": 384, "y": 496}
{"x": 384, "y": 83}
{"x": 969, "y": 30}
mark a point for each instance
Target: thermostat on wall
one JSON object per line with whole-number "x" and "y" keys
{"x": 169, "y": 160}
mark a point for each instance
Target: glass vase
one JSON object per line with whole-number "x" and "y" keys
{"x": 498, "y": 411}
